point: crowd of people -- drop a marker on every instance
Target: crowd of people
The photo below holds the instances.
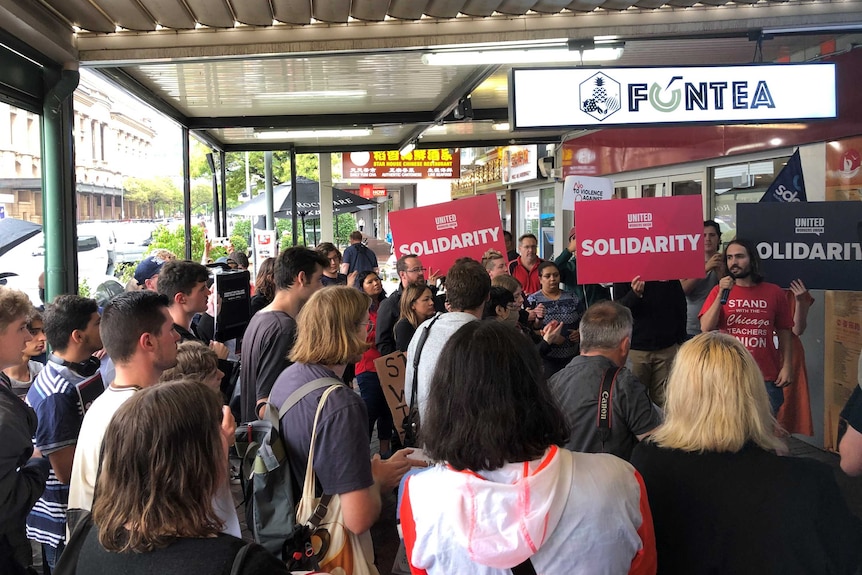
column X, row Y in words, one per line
column 562, row 427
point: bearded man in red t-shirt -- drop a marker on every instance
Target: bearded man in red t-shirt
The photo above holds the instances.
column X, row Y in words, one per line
column 753, row 311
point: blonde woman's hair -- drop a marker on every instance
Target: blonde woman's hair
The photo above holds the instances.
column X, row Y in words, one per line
column 328, row 327
column 506, row 281
column 195, row 360
column 716, row 399
column 489, row 257
column 14, row 305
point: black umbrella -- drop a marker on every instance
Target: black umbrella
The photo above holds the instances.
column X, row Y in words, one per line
column 14, row 232
column 307, row 201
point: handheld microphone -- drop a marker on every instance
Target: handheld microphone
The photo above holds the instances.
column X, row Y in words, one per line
column 725, row 293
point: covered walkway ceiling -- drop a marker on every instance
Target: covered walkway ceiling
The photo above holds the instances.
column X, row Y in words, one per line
column 271, row 74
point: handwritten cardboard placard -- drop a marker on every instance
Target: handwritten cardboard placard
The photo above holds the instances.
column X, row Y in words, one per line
column 390, row 370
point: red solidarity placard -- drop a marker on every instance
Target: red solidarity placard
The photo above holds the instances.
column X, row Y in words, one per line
column 442, row 233
column 655, row 238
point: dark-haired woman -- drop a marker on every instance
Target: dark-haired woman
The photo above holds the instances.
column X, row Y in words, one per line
column 417, row 305
column 366, row 373
column 503, row 492
column 153, row 510
column 501, row 306
column 562, row 306
column 264, row 285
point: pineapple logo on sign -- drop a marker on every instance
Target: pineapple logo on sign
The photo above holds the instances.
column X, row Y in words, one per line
column 600, row 96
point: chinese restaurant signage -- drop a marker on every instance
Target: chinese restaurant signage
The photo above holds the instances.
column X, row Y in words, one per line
column 438, row 164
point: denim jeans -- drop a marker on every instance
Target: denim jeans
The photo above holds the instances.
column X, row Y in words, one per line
column 375, row 402
column 50, row 556
column 776, row 396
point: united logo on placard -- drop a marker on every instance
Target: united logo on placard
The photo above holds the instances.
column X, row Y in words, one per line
column 448, row 222
column 600, row 96
column 640, row 221
column 814, row 226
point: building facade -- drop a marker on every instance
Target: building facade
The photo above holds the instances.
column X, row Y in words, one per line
column 113, row 140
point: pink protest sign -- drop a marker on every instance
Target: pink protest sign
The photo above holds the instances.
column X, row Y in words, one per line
column 655, row 238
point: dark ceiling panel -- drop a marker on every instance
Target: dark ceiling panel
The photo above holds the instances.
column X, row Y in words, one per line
column 212, row 13
column 516, row 6
column 373, row 10
column 292, row 11
column 170, row 14
column 83, row 14
column 650, row 4
column 481, row 7
column 253, row 12
column 585, row 5
column 618, row 4
column 444, row 8
column 128, row 15
column 336, row 11
column 550, row 6
column 407, row 9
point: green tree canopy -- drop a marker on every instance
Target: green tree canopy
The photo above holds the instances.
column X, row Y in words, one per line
column 159, row 193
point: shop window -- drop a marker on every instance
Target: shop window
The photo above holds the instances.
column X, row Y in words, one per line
column 622, row 192
column 548, row 222
column 686, row 188
column 740, row 184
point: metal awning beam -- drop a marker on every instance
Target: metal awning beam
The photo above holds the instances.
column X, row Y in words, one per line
column 478, row 143
column 450, row 102
column 337, row 120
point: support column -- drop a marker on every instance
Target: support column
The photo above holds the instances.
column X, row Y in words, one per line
column 187, row 193
column 293, row 209
column 270, row 195
column 327, row 209
column 216, row 215
column 223, row 171
column 58, row 183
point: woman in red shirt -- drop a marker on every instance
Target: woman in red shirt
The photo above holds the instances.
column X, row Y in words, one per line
column 366, row 374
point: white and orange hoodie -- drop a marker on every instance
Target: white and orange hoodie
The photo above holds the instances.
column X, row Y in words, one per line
column 570, row 513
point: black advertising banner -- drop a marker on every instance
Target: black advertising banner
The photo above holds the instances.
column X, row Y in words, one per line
column 817, row 242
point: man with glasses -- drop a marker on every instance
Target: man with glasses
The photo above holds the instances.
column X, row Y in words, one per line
column 525, row 269
column 410, row 270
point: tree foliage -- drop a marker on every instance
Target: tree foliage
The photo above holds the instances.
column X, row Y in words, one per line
column 202, row 199
column 306, row 165
column 174, row 239
column 159, row 193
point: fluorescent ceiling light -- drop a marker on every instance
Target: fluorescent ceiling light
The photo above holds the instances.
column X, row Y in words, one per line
column 435, row 129
column 310, row 94
column 298, row 134
column 522, row 56
column 501, row 126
